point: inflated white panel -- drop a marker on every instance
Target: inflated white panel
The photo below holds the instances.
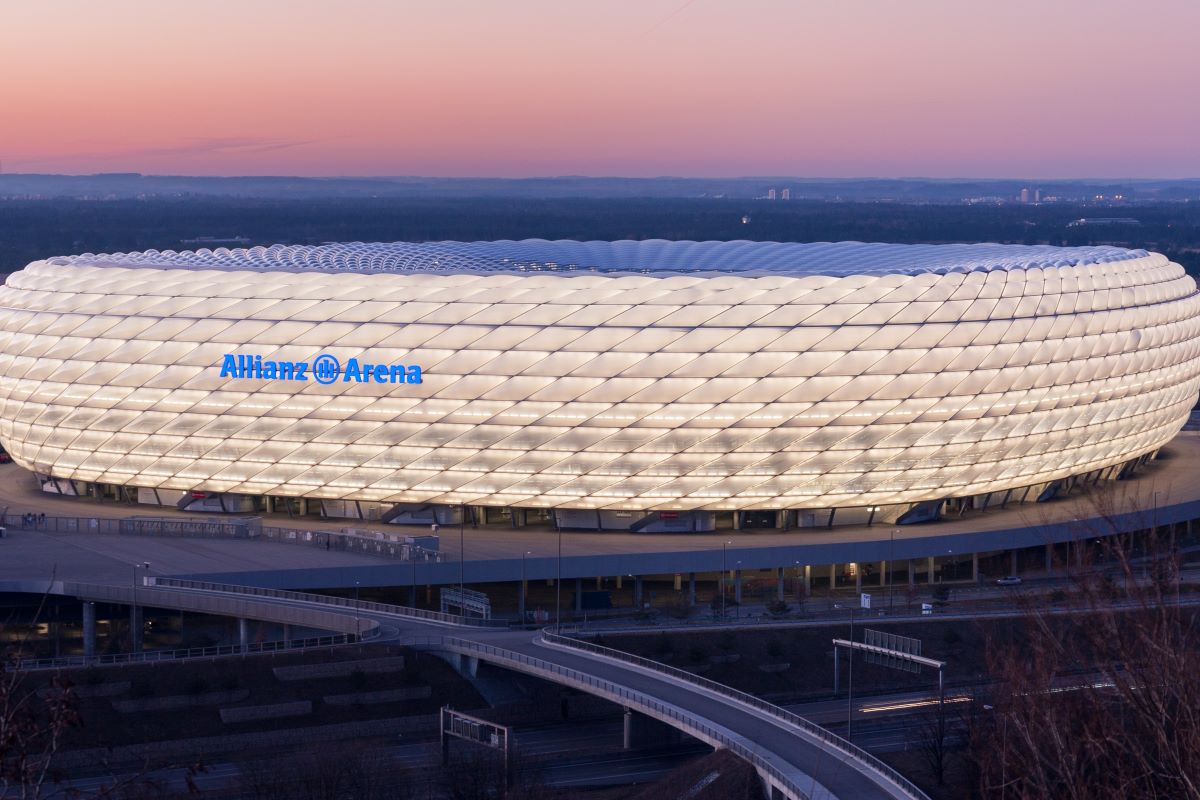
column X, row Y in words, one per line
column 624, row 375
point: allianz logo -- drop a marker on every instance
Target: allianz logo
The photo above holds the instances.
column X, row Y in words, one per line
column 324, row 369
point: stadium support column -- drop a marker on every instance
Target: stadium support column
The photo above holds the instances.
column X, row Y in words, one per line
column 1013, row 562
column 975, row 567
column 912, row 575
column 807, row 580
column 243, row 634
column 858, row 569
column 578, row 595
column 691, row 589
column 832, row 577
column 89, row 630
column 637, row 591
column 779, row 584
column 884, row 566
column 1049, row 559
column 737, row 586
column 930, row 567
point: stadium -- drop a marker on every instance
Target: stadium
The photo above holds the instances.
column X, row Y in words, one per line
column 639, row 385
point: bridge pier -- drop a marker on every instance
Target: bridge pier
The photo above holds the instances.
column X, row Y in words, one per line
column 89, row 630
column 639, row 730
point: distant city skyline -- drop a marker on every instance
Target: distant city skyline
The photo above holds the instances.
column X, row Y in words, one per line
column 929, row 88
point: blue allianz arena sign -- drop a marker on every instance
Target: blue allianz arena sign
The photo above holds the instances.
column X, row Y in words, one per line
column 324, row 369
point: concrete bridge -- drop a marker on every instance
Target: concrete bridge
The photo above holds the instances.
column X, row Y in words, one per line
column 795, row 759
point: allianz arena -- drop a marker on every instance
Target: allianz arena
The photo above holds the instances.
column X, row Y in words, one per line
column 596, row 384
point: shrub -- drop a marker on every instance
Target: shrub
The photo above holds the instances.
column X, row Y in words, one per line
column 778, row 608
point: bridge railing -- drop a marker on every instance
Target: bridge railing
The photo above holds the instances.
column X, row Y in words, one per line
column 720, row 736
column 226, row 528
column 325, row 600
column 214, row 651
column 782, row 714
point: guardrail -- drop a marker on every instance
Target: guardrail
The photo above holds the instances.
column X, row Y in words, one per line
column 215, row 651
column 782, row 714
column 716, row 735
column 325, row 600
column 228, row 528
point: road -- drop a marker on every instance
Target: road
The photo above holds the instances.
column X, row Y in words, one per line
column 564, row 755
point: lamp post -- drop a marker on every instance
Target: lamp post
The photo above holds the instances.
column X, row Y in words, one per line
column 558, row 588
column 356, row 626
column 738, row 589
column 521, row 609
column 462, row 559
column 721, row 583
column 135, row 619
column 891, row 566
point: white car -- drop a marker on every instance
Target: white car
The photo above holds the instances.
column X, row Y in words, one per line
column 1008, row 580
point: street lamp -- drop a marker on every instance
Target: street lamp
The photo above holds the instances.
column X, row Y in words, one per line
column 721, row 583
column 357, row 630
column 558, row 588
column 737, row 588
column 521, row 610
column 891, row 566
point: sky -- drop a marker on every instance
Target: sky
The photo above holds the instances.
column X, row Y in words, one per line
column 516, row 88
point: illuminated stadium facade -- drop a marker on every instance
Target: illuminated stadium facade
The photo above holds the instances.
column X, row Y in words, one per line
column 597, row 384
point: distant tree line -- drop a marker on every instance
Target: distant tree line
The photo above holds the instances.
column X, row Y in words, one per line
column 33, row 229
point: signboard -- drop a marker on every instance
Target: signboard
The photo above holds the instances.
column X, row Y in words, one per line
column 865, row 600
column 926, row 609
column 897, row 644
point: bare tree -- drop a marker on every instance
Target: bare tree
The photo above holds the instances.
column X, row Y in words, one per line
column 33, row 727
column 1101, row 702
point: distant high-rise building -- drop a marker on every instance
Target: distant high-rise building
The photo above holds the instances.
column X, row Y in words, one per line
column 1037, row 195
column 1025, row 195
column 786, row 194
column 770, row 194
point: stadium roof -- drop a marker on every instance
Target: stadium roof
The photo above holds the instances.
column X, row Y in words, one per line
column 652, row 256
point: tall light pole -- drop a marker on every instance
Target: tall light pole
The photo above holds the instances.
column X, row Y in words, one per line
column 850, row 682
column 462, row 559
column 357, row 634
column 558, row 588
column 891, row 566
column 721, row 583
column 738, row 587
column 521, row 609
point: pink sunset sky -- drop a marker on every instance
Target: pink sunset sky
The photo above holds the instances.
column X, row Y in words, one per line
column 1019, row 88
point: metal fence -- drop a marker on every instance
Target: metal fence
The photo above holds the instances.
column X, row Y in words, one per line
column 216, row 651
column 848, row 748
column 325, row 600
column 239, row 528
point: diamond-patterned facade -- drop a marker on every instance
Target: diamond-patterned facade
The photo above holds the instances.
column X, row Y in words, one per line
column 629, row 375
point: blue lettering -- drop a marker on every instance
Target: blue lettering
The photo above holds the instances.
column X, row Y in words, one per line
column 352, row 370
column 414, row 374
column 301, row 370
column 229, row 367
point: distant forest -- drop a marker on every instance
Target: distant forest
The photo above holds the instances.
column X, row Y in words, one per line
column 33, row 229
